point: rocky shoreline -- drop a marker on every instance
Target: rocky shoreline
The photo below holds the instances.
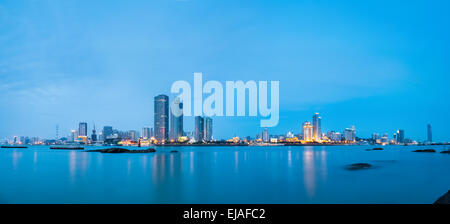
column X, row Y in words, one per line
column 425, row 150
column 444, row 199
column 122, row 150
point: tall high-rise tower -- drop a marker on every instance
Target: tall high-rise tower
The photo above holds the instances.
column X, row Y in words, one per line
column 317, row 132
column 401, row 136
column 199, row 129
column 107, row 132
column 146, row 133
column 265, row 135
column 82, row 129
column 94, row 135
column 176, row 119
column 307, row 131
column 161, row 118
column 208, row 129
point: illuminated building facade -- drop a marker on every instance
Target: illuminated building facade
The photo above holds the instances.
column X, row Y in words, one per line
column 176, row 120
column 317, row 132
column 94, row 135
column 82, row 129
column 401, row 136
column 199, row 129
column 307, row 131
column 161, row 118
column 350, row 134
column 265, row 135
column 208, row 129
column 107, row 132
column 132, row 135
column 146, row 133
column 73, row 135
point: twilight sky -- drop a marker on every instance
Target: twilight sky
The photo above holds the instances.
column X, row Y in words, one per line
column 378, row 65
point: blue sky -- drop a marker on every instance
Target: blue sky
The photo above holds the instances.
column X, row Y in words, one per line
column 378, row 65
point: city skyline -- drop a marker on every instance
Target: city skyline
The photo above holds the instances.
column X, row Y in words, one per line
column 311, row 132
column 379, row 68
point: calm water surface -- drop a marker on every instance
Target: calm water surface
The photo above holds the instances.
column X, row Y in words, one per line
column 224, row 175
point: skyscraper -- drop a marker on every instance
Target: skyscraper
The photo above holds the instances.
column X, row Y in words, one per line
column 307, row 132
column 176, row 119
column 208, row 129
column 146, row 133
column 429, row 134
column 317, row 132
column 350, row 134
column 73, row 135
column 161, row 118
column 401, row 136
column 265, row 135
column 107, row 132
column 132, row 135
column 199, row 129
column 94, row 135
column 82, row 129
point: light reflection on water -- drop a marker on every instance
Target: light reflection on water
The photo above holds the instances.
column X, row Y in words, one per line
column 223, row 175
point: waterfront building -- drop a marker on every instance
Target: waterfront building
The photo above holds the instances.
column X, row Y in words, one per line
column 375, row 136
column 132, row 135
column 208, row 129
column 307, row 131
column 161, row 118
column 289, row 135
column 107, row 132
column 350, row 134
column 273, row 140
column 176, row 120
column 146, row 133
column 337, row 137
column 258, row 137
column 94, row 135
column 384, row 139
column 199, row 129
column 265, row 135
column 401, row 136
column 82, row 129
column 73, row 135
column 317, row 132
column 429, row 134
column 334, row 136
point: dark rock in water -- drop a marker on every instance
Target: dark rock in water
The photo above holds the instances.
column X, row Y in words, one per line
column 448, row 151
column 174, row 151
column 13, row 147
column 425, row 150
column 374, row 149
column 444, row 199
column 358, row 166
column 121, row 150
column 67, row 148
column 115, row 150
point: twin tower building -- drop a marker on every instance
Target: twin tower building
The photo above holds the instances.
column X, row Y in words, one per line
column 203, row 125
